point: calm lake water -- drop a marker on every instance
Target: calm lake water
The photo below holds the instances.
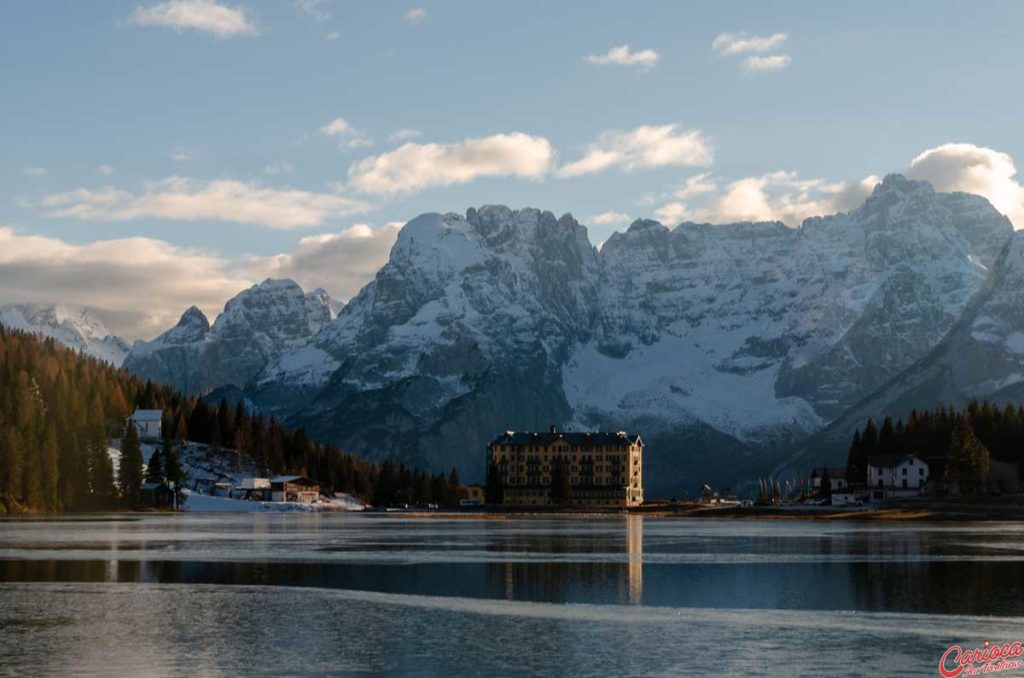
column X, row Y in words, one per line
column 379, row 595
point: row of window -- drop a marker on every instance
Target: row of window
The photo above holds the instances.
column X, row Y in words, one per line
column 562, row 448
column 544, row 480
column 622, row 459
column 881, row 471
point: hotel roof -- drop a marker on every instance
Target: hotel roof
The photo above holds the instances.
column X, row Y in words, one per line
column 576, row 438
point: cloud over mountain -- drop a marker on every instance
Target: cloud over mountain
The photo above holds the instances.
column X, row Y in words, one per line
column 414, row 167
column 178, row 198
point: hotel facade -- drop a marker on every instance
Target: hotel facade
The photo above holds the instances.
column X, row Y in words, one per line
column 603, row 469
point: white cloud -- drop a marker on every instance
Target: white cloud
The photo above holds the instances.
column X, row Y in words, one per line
column 219, row 200
column 201, row 15
column 341, row 263
column 359, row 142
column 36, row 171
column 415, row 16
column 784, row 196
column 404, row 134
column 611, row 218
column 105, row 170
column 775, row 196
column 766, row 64
column 314, row 9
column 672, row 213
column 333, row 35
column 338, row 127
column 142, row 285
column 413, row 167
column 642, row 147
column 184, row 155
column 973, row 169
column 622, row 56
column 695, row 185
column 739, row 43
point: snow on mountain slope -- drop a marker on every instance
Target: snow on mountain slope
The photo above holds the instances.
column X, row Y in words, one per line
column 75, row 327
column 767, row 332
column 256, row 326
column 711, row 340
column 981, row 357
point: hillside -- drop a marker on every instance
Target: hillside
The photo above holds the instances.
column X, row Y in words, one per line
column 60, row 409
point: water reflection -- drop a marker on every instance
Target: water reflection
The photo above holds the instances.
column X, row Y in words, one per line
column 627, row 560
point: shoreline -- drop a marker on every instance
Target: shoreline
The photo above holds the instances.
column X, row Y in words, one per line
column 908, row 510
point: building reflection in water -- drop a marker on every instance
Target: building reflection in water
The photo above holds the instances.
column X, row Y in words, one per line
column 635, row 551
column 603, row 566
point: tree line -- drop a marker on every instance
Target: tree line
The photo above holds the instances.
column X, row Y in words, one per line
column 59, row 409
column 959, row 445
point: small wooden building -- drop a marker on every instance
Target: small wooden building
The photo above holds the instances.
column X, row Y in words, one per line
column 294, row 488
column 157, row 495
column 253, row 489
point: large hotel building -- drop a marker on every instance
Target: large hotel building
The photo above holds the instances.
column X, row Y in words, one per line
column 604, row 469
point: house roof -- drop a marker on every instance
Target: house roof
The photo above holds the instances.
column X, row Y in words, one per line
column 833, row 471
column 292, row 479
column 147, row 415
column 577, row 438
column 150, row 486
column 890, row 460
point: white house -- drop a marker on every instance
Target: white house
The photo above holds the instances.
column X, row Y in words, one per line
column 896, row 475
column 836, row 477
column 148, row 423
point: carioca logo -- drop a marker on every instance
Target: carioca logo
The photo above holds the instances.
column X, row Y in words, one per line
column 957, row 661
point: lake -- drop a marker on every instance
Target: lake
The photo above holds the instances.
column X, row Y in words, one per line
column 350, row 594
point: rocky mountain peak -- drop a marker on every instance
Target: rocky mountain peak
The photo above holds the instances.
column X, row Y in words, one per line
column 74, row 326
column 193, row 317
column 257, row 325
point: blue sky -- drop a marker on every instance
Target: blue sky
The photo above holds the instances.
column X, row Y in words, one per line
column 195, row 132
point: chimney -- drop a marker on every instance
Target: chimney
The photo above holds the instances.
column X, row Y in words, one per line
column 552, row 429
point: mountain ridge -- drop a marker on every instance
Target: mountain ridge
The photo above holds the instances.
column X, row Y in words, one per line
column 256, row 325
column 76, row 327
column 722, row 336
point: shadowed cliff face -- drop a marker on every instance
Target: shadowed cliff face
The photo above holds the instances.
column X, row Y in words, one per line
column 256, row 326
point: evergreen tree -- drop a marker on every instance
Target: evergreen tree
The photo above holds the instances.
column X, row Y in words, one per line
column 968, row 460
column 856, row 462
column 154, row 469
column 130, row 468
column 174, row 474
column 49, row 455
column 454, row 492
column 869, row 439
column 101, row 474
column 888, row 443
column 826, row 484
column 14, row 456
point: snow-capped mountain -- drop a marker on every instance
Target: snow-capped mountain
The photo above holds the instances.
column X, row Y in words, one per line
column 75, row 327
column 981, row 357
column 715, row 342
column 255, row 327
